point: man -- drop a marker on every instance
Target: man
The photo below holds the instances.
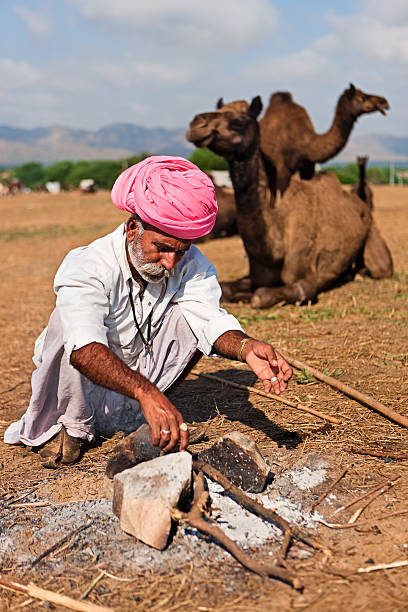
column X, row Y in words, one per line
column 133, row 309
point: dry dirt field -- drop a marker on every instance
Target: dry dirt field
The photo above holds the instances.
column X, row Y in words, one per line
column 356, row 332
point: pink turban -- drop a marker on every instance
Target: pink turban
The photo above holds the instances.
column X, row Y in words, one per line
column 170, row 193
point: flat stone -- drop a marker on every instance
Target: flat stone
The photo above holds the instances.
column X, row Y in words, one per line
column 239, row 459
column 145, row 495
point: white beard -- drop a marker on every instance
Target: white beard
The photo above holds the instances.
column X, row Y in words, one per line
column 150, row 272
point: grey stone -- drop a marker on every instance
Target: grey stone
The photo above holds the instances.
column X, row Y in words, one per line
column 239, row 459
column 145, row 495
column 132, row 450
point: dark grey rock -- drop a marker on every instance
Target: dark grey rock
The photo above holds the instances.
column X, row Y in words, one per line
column 239, row 459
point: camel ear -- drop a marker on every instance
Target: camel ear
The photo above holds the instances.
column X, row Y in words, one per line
column 256, row 107
column 351, row 90
column 220, row 103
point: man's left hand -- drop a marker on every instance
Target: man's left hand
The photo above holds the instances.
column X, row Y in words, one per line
column 269, row 366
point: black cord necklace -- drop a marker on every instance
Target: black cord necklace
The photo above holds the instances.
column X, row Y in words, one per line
column 147, row 343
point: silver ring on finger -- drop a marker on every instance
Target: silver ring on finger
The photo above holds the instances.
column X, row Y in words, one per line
column 274, row 379
column 165, row 432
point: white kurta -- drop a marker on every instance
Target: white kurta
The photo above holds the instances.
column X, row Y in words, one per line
column 93, row 305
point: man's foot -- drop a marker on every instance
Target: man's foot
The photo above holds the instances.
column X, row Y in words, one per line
column 137, row 447
column 62, row 450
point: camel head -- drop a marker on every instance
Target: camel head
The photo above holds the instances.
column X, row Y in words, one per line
column 359, row 103
column 230, row 130
column 362, row 160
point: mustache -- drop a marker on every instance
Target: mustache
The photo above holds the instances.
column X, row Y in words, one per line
column 151, row 272
column 155, row 270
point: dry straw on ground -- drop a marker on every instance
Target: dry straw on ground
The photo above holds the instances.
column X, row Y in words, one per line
column 356, row 333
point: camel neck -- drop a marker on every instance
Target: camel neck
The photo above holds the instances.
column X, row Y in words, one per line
column 256, row 218
column 325, row 146
column 362, row 181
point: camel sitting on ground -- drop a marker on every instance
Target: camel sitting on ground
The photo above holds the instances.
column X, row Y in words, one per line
column 362, row 189
column 226, row 221
column 377, row 256
column 303, row 244
column 290, row 143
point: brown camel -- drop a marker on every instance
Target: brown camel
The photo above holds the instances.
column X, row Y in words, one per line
column 226, row 221
column 303, row 244
column 290, row 143
column 376, row 256
column 362, row 189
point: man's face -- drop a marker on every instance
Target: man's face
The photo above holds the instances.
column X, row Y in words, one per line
column 153, row 253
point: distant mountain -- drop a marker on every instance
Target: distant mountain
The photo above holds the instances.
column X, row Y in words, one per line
column 378, row 147
column 50, row 144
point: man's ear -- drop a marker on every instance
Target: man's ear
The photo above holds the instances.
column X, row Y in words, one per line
column 132, row 229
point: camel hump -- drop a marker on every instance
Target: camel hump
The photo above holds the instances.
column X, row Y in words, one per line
column 281, row 96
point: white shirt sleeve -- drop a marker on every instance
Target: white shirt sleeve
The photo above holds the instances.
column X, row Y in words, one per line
column 82, row 285
column 199, row 300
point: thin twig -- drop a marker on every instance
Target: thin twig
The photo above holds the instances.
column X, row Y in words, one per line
column 373, row 490
column 195, row 519
column 357, row 525
column 92, row 585
column 382, row 454
column 347, row 390
column 360, row 510
column 277, row 398
column 115, row 577
column 14, row 387
column 33, row 505
column 13, row 501
column 60, row 542
column 61, row 600
column 381, row 566
column 325, row 494
column 256, row 508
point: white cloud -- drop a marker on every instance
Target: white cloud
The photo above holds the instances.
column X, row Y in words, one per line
column 17, row 75
column 36, row 23
column 209, row 25
column 131, row 72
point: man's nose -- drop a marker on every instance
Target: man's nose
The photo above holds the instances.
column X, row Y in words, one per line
column 169, row 260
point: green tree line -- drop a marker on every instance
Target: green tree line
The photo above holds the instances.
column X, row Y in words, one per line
column 105, row 172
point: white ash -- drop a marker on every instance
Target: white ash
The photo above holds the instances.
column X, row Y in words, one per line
column 306, row 478
column 105, row 543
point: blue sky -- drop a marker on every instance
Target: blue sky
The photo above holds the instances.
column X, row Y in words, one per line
column 90, row 63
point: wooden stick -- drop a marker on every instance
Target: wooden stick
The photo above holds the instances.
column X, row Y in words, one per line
column 357, row 395
column 60, row 542
column 277, row 398
column 373, row 490
column 325, row 494
column 382, row 454
column 256, row 508
column 61, row 600
column 195, row 519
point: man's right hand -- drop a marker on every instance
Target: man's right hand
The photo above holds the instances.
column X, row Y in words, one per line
column 163, row 417
column 98, row 363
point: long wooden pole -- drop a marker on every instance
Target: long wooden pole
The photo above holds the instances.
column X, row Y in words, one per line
column 357, row 395
column 277, row 398
column 32, row 590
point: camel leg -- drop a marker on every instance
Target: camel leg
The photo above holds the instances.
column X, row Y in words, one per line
column 376, row 255
column 240, row 289
column 301, row 291
column 307, row 171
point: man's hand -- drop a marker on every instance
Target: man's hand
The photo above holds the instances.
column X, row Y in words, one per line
column 103, row 367
column 268, row 365
column 163, row 417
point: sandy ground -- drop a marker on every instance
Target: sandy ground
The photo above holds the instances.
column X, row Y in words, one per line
column 357, row 333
